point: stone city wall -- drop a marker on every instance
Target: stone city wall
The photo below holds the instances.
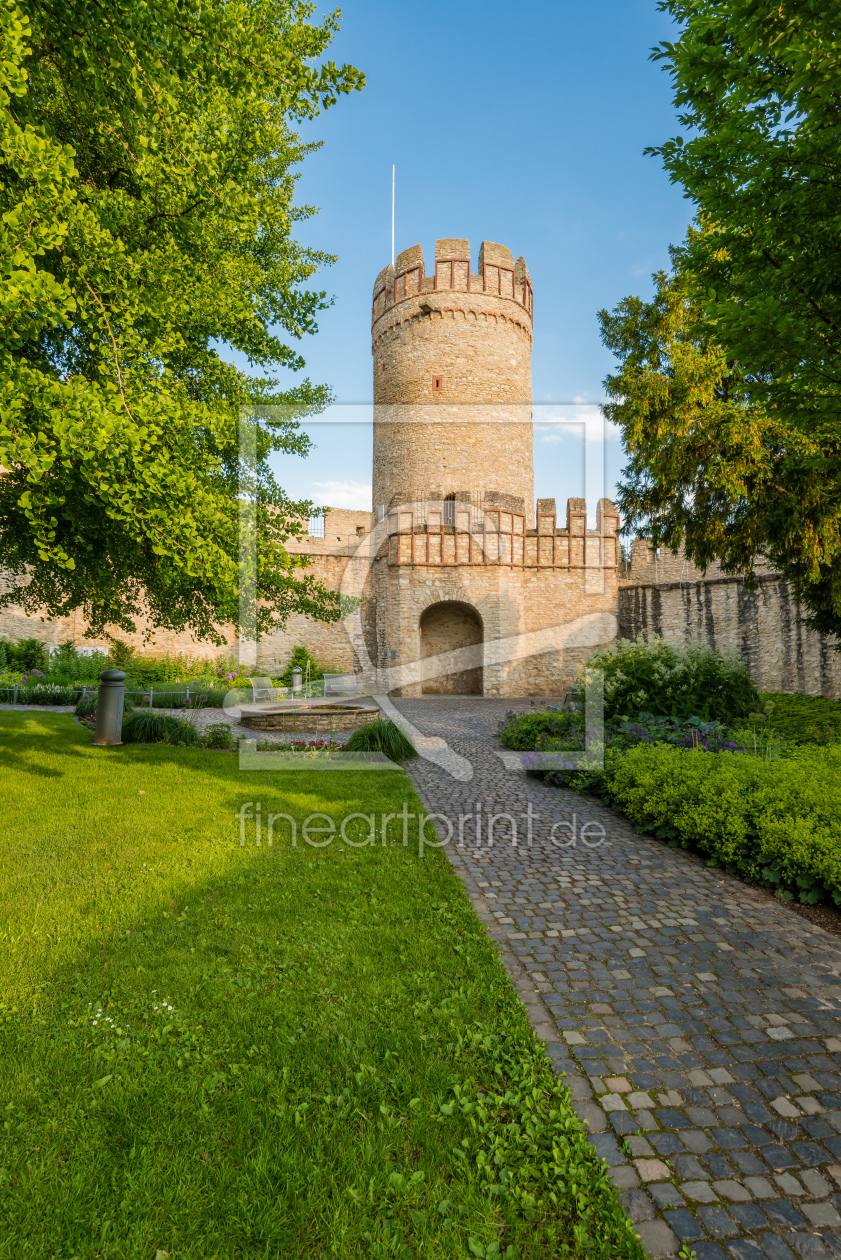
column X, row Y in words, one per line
column 543, row 607
column 327, row 642
column 657, row 564
column 762, row 626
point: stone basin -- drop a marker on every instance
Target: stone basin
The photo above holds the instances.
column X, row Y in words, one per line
column 309, row 716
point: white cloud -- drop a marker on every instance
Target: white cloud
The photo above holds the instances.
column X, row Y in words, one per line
column 577, row 419
column 355, row 495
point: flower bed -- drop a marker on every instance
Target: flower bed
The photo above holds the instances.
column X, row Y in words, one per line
column 551, row 731
column 764, row 808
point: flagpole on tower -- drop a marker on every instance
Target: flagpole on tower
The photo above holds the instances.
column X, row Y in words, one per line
column 392, row 216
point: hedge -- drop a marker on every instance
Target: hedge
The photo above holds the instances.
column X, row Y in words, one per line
column 775, row 822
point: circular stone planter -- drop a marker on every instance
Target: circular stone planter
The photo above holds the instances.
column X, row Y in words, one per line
column 318, row 719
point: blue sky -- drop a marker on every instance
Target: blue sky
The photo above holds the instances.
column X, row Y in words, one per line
column 524, row 125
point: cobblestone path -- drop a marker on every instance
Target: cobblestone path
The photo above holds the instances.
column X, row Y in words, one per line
column 698, row 1021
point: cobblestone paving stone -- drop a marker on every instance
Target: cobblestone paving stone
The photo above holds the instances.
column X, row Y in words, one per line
column 697, row 1021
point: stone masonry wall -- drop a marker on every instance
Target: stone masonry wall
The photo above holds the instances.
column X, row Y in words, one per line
column 538, row 624
column 327, row 642
column 650, row 564
column 761, row 626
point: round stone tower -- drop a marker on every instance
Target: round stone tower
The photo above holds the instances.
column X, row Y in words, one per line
column 452, row 381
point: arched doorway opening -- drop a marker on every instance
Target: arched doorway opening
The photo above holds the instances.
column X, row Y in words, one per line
column 451, row 638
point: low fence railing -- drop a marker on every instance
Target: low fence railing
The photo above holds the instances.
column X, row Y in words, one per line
column 154, row 698
column 187, row 697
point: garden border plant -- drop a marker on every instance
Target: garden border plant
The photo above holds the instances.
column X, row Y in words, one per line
column 650, row 675
column 756, row 790
column 771, row 821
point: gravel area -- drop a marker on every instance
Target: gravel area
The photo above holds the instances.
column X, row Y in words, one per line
column 697, row 1020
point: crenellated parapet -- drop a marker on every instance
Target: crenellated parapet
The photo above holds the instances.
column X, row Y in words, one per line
column 464, row 532
column 497, row 275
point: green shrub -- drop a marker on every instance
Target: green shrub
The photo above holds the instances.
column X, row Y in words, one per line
column 147, row 726
column 217, row 735
column 216, row 697
column 526, row 731
column 667, row 681
column 166, row 699
column 47, row 693
column 86, row 705
column 155, row 667
column 548, row 731
column 171, row 695
column 300, row 656
column 382, row 735
column 774, row 822
column 26, row 654
column 68, row 662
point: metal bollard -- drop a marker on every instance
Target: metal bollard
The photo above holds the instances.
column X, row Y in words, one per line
column 297, row 683
column 109, row 708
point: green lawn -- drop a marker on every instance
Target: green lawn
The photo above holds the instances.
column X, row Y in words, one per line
column 216, row 1050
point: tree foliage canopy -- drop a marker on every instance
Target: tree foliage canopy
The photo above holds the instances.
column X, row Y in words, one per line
column 147, row 218
column 729, row 385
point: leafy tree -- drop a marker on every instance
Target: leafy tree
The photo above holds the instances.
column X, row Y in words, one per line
column 756, row 82
column 704, row 462
column 146, row 219
column 729, row 384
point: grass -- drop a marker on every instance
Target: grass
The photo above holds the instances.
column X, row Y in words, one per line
column 149, row 726
column 220, row 1050
column 385, row 736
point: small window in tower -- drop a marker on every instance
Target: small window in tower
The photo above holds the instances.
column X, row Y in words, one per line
column 450, row 509
column 437, row 384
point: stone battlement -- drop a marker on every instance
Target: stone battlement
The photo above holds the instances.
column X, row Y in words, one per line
column 462, row 534
column 498, row 275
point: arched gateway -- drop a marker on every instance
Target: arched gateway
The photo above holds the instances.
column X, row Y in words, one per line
column 451, row 637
